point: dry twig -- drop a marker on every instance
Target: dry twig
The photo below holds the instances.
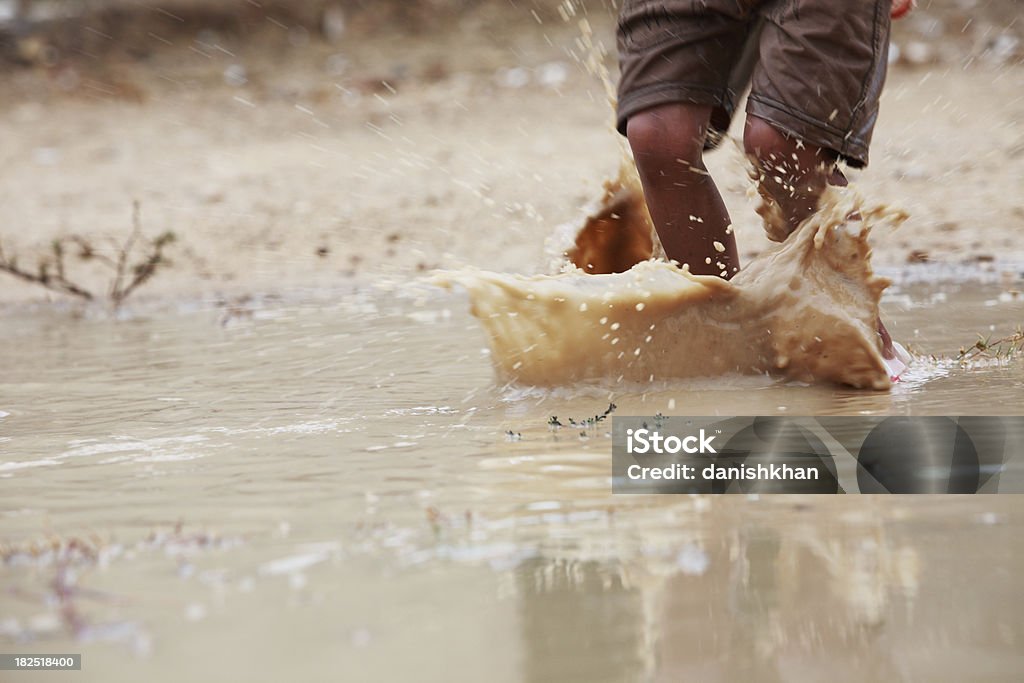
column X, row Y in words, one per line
column 1002, row 348
column 51, row 270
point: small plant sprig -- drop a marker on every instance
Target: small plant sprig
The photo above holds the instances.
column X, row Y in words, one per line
column 143, row 270
column 51, row 270
column 1000, row 349
column 659, row 421
column 555, row 423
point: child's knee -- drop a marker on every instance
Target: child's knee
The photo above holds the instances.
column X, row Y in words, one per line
column 786, row 155
column 765, row 143
column 668, row 136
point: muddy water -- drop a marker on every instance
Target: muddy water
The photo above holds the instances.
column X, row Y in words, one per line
column 806, row 310
column 327, row 491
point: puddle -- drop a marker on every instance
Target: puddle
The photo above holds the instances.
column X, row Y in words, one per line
column 335, row 485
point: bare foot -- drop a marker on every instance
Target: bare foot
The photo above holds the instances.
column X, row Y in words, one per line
column 895, row 357
column 887, row 350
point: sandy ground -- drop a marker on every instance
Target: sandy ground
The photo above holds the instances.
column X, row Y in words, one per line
column 283, row 161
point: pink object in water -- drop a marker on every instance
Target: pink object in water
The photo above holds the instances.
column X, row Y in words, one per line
column 900, row 8
column 899, row 363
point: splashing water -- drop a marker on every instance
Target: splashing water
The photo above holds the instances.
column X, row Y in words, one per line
column 805, row 310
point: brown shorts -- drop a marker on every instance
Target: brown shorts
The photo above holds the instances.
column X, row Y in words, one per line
column 815, row 67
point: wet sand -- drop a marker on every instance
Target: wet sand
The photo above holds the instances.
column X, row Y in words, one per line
column 312, row 172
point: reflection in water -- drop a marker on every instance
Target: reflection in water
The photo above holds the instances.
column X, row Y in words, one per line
column 580, row 620
column 811, row 600
column 374, row 513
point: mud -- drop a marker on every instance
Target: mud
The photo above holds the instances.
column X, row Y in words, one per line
column 805, row 310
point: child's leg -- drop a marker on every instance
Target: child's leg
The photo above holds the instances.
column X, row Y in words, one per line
column 791, row 177
column 687, row 210
column 683, row 66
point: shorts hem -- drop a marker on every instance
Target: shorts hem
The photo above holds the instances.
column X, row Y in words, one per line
column 667, row 93
column 851, row 150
